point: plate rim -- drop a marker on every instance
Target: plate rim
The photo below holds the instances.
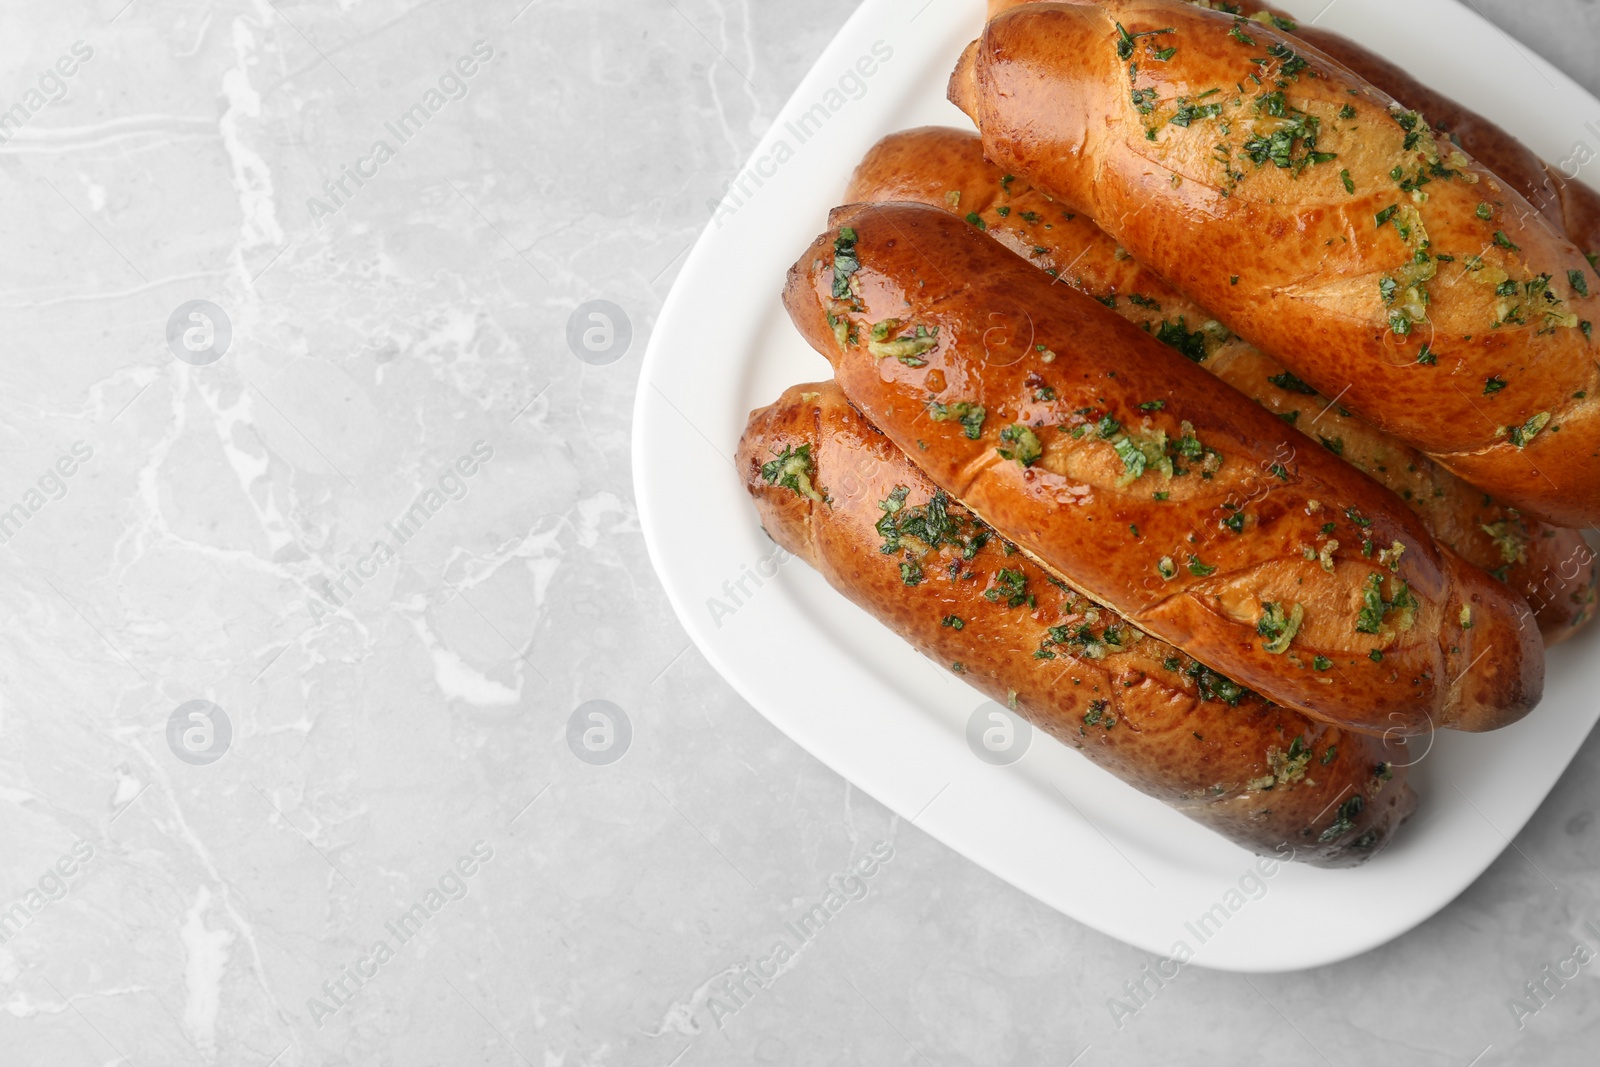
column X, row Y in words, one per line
column 842, row 45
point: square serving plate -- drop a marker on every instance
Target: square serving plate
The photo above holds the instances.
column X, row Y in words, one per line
column 893, row 723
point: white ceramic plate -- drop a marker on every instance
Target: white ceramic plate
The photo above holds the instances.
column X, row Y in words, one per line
column 893, row 723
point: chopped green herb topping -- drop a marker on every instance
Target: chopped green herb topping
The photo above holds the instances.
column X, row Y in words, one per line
column 1214, row 686
column 908, row 349
column 1125, row 40
column 969, row 415
column 1010, row 586
column 1024, row 445
column 1284, row 768
column 1293, row 63
column 1134, row 459
column 1099, row 714
column 1510, row 538
column 1279, row 627
column 1176, row 335
column 793, row 469
column 1376, row 610
column 1522, row 435
column 845, row 262
column 930, row 523
column 1349, row 811
column 1290, row 384
column 1409, row 121
column 1278, row 147
column 1188, row 112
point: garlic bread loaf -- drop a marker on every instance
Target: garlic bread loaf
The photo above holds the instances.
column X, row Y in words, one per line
column 1154, row 488
column 836, row 493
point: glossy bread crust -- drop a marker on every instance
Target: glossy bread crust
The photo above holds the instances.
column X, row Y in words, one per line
column 1356, row 235
column 1553, row 568
column 1263, row 776
column 1570, row 205
column 1153, row 487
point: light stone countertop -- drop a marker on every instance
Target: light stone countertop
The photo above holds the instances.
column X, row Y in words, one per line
column 389, row 532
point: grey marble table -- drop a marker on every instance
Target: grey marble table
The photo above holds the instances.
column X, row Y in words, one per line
column 304, row 585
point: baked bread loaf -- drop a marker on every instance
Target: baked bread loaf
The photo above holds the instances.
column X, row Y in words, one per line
column 1570, row 205
column 1321, row 220
column 1152, row 487
column 1551, row 567
column 836, row 493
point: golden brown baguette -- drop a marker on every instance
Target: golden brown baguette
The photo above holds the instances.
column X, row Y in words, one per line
column 923, row 565
column 1377, row 262
column 1570, row 205
column 1153, row 487
column 1552, row 568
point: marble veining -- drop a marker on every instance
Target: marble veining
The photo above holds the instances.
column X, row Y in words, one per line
column 342, row 719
